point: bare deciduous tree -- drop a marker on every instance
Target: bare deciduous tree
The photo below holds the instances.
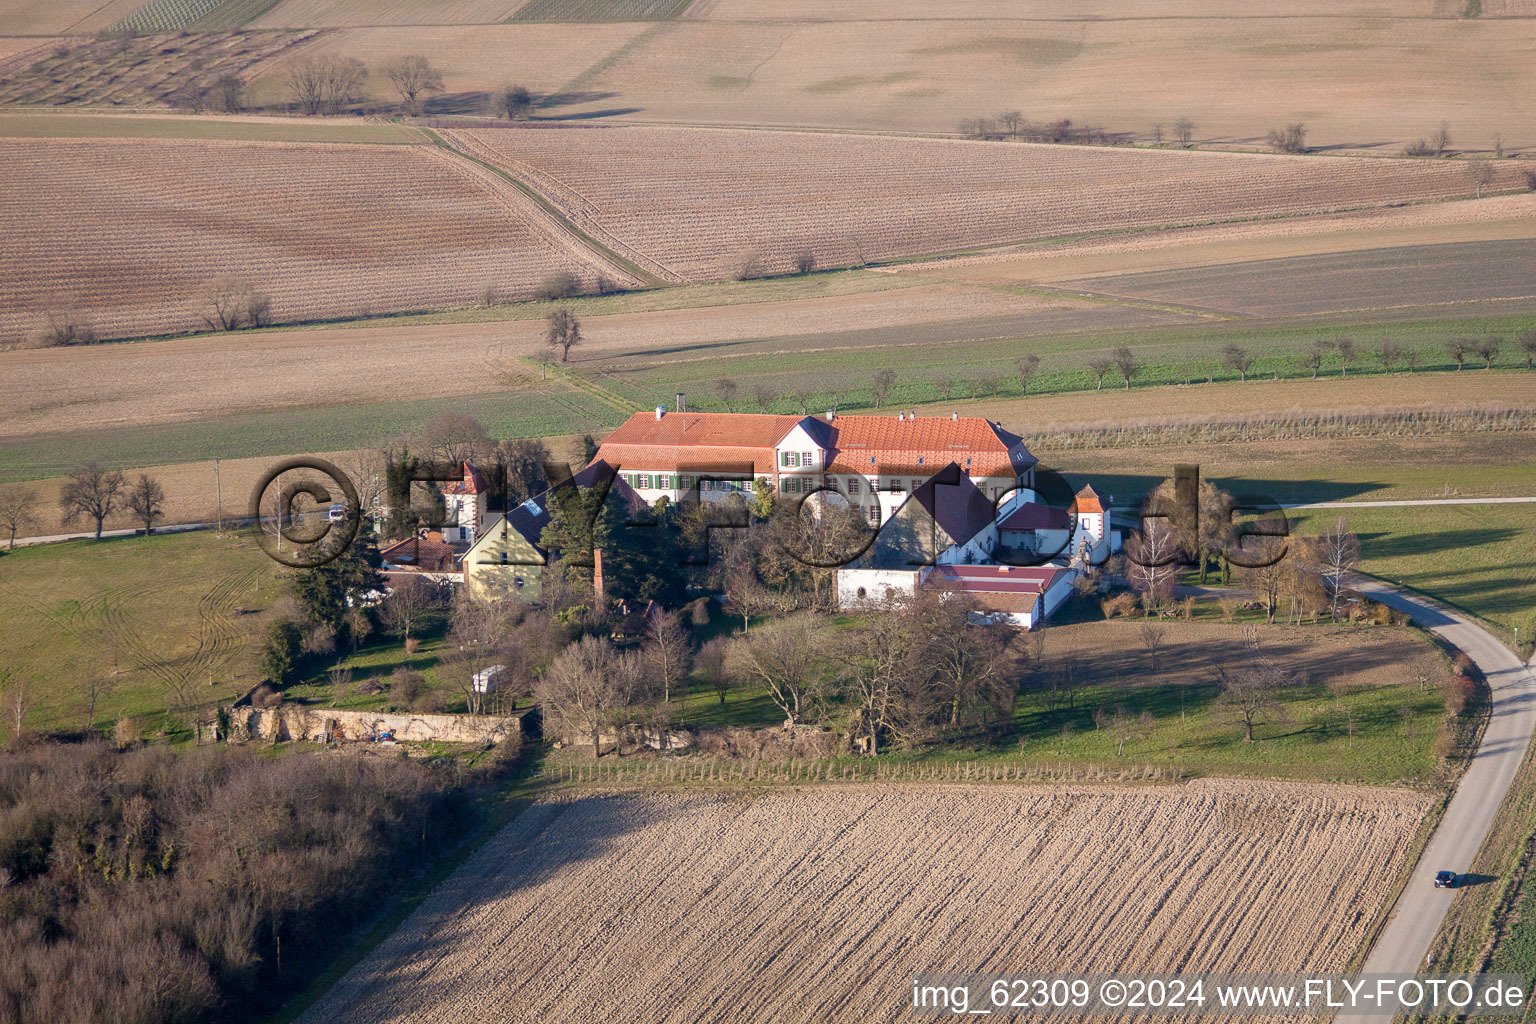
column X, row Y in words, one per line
column 1313, row 355
column 1152, row 562
column 90, row 691
column 1184, row 131
column 65, row 327
column 18, row 509
column 562, row 332
column 725, row 387
column 513, row 102
column 1441, row 140
column 1487, row 349
column 92, row 492
column 325, row 85
column 884, row 380
column 1235, row 357
column 1100, row 365
column 1346, row 350
column 16, row 695
column 455, row 438
column 1479, row 175
column 1527, row 341
column 409, row 604
column 784, row 657
column 228, row 93
column 1457, row 348
column 664, row 651
column 413, row 76
column 588, row 688
column 146, row 500
column 1250, row 693
column 1125, row 361
column 232, row 303
column 710, row 663
column 1153, row 635
column 1338, row 554
column 1290, row 139
column 1389, row 352
column 875, row 658
column 1028, row 368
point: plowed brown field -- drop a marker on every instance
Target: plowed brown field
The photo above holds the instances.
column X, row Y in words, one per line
column 137, row 230
column 820, row 904
column 694, row 200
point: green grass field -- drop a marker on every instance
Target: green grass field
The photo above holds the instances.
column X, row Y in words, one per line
column 194, row 15
column 949, row 361
column 1373, row 734
column 168, row 616
column 149, row 617
column 1480, row 558
column 600, row 10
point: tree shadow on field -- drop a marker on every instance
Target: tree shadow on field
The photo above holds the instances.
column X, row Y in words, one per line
column 1130, row 489
column 543, row 846
column 589, row 115
column 1396, row 545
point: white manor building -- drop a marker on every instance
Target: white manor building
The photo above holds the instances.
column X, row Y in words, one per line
column 876, row 462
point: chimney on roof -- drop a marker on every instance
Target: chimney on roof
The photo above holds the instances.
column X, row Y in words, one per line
column 955, row 415
column 680, row 402
column 900, row 416
column 661, row 411
column 831, row 414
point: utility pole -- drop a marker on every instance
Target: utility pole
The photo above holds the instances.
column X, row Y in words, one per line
column 218, row 490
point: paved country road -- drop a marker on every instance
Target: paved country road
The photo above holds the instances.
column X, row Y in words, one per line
column 1403, row 944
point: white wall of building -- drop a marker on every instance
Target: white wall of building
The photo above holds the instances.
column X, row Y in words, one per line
column 869, row 586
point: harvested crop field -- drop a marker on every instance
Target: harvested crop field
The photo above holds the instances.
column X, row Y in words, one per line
column 324, row 230
column 820, row 903
column 696, row 202
column 1406, row 276
column 188, row 378
column 44, row 17
column 1494, row 219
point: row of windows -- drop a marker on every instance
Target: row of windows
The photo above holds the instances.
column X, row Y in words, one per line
column 796, row 460
column 681, row 482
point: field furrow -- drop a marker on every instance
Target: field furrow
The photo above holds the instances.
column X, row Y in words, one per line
column 132, row 240
column 709, row 203
column 820, row 904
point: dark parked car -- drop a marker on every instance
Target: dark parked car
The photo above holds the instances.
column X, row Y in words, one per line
column 1445, row 879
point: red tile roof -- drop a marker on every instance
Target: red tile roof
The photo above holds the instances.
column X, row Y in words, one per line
column 865, row 445
column 1088, row 502
column 992, row 579
column 716, row 460
column 471, row 483
column 423, row 554
column 711, row 429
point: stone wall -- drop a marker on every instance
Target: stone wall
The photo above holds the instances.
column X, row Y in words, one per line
column 322, row 725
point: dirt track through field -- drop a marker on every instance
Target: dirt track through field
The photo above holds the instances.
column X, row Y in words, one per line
column 819, row 904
